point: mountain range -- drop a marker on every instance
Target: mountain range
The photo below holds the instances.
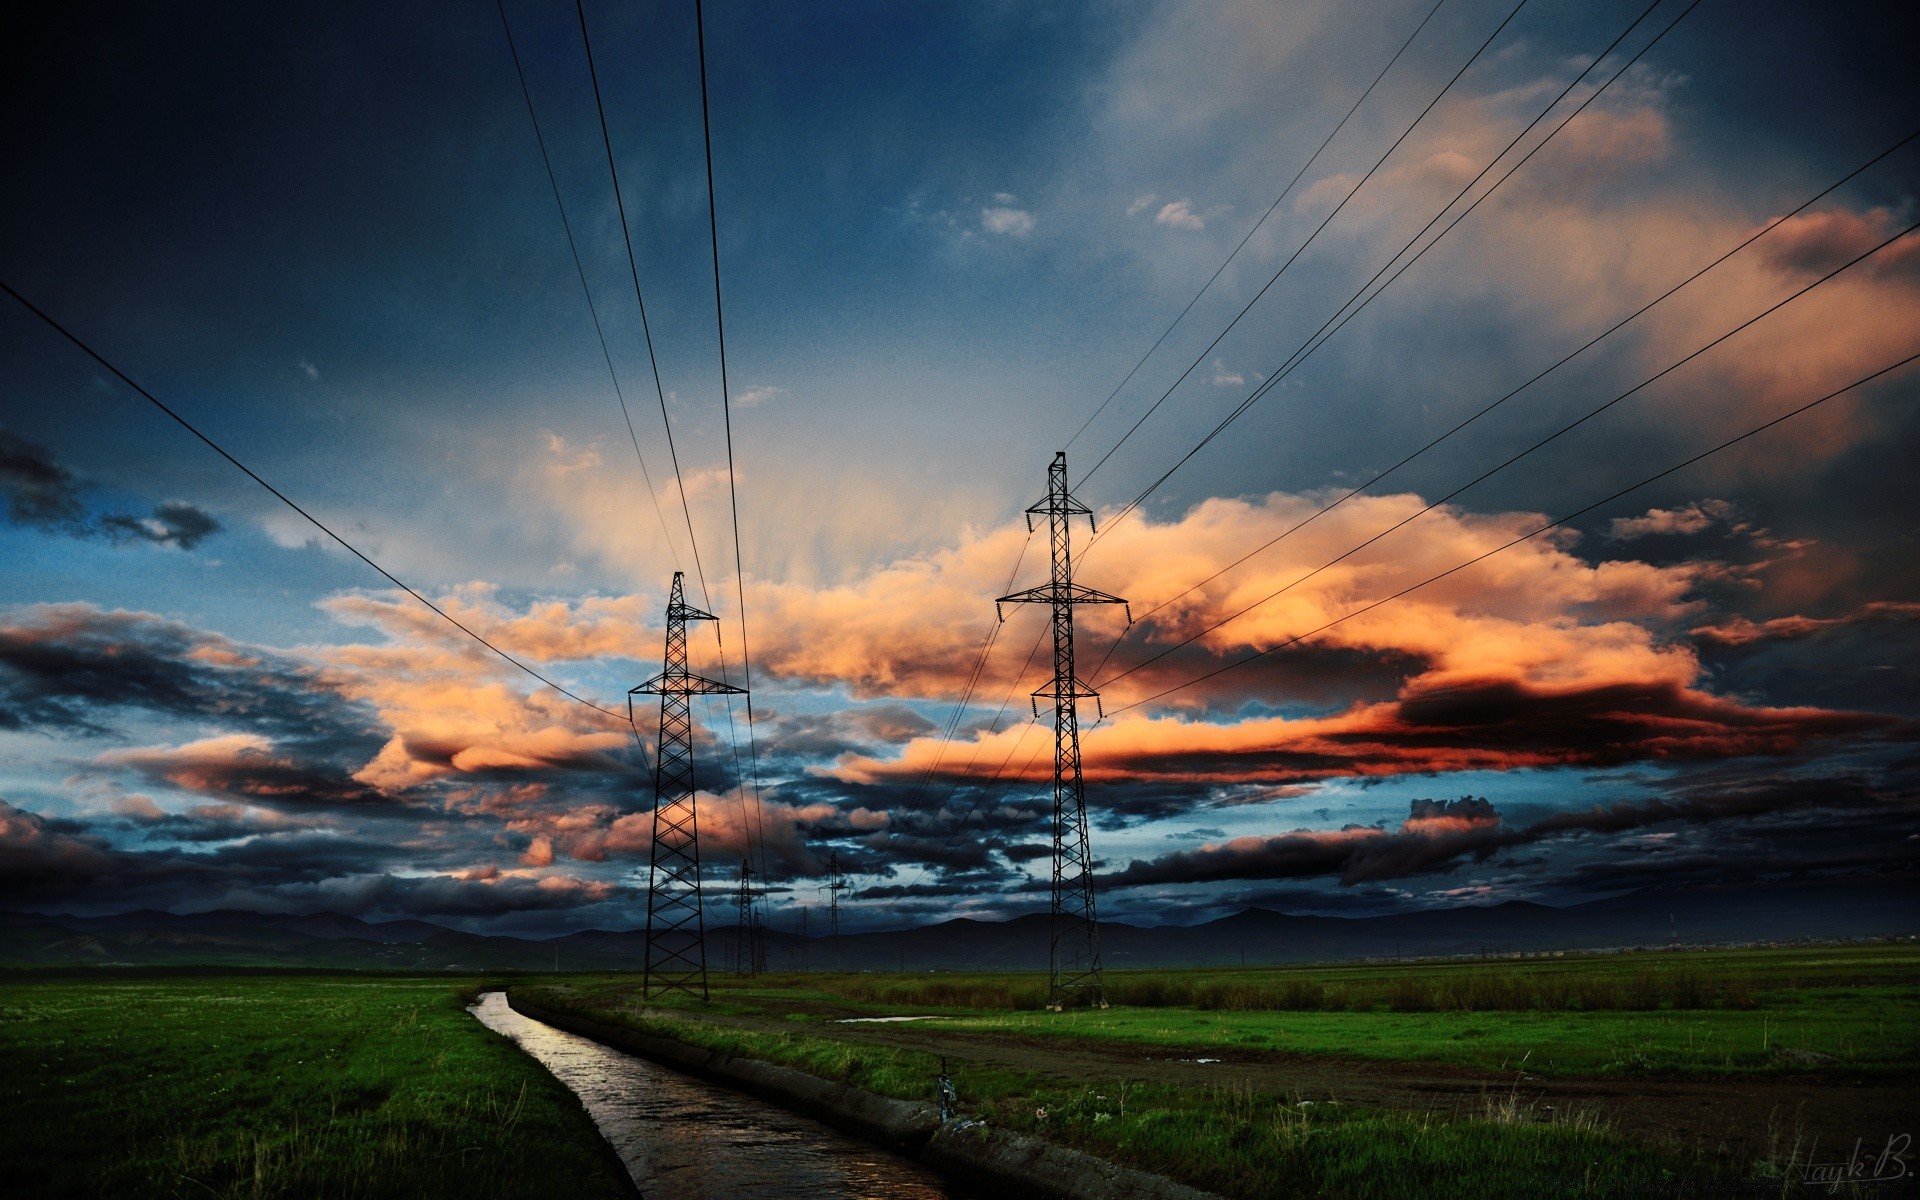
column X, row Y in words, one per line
column 1831, row 909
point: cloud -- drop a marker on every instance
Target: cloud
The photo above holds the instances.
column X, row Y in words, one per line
column 173, row 523
column 1439, row 836
column 68, row 666
column 1743, row 631
column 243, row 766
column 1142, row 204
column 1813, row 243
column 1534, row 658
column 44, row 861
column 42, row 494
column 1225, row 378
column 757, row 395
column 1180, row 215
column 1689, row 519
column 1013, row 222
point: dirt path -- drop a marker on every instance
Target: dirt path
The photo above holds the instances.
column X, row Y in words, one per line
column 1748, row 1117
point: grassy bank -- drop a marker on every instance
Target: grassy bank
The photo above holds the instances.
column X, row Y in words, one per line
column 1238, row 1142
column 253, row 1086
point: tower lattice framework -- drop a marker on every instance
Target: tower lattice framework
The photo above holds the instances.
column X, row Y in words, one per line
column 749, row 945
column 1073, row 959
column 676, row 928
column 836, row 883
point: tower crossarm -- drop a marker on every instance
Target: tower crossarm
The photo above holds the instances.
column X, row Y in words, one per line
column 1059, row 593
column 684, row 684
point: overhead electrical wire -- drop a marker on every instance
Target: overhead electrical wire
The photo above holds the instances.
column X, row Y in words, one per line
column 1536, row 532
column 1289, row 261
column 985, row 790
column 593, row 311
column 1730, row 333
column 1528, row 536
column 660, row 393
column 1348, row 310
column 1255, row 227
column 281, row 496
column 633, row 269
column 973, row 681
column 1324, row 509
column 993, row 634
column 1306, row 348
column 726, row 411
column 1516, row 457
column 1301, row 248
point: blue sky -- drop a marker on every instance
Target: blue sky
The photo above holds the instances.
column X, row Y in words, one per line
column 946, row 233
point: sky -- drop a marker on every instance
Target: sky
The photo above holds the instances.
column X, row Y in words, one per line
column 951, row 237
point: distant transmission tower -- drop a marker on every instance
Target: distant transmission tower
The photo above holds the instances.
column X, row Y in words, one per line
column 749, row 947
column 836, row 883
column 1073, row 962
column 676, row 929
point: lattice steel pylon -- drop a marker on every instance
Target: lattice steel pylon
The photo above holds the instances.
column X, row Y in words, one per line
column 749, row 946
column 836, row 883
column 1073, row 959
column 676, row 928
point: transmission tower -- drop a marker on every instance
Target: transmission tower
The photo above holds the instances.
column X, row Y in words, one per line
column 749, row 947
column 1073, row 961
column 836, row 883
column 676, row 929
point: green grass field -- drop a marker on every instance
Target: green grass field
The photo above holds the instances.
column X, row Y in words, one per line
column 1707, row 1015
column 1672, row 1013
column 258, row 1084
column 262, row 1085
column 1239, row 1142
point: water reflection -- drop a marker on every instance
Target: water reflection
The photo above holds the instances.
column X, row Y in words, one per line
column 683, row 1139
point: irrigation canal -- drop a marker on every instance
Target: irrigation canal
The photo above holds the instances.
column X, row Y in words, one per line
column 685, row 1139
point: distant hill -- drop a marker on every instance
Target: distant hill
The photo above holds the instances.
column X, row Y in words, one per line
column 1861, row 907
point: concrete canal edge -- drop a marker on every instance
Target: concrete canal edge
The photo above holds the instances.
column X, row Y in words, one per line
column 1006, row 1163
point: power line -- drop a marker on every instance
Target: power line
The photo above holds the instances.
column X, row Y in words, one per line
column 593, row 311
column 1304, row 167
column 633, row 269
column 1306, row 348
column 1297, row 176
column 1537, row 377
column 1255, row 228
column 993, row 726
column 993, row 634
column 985, row 790
column 1509, row 461
column 726, row 412
column 1438, row 96
column 1480, row 558
column 1437, row 503
column 1577, row 513
column 973, row 681
column 281, row 496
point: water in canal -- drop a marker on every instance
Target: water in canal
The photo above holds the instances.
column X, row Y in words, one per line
column 684, row 1139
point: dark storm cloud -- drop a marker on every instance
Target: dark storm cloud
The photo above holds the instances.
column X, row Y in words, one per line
column 1442, row 835
column 66, row 666
column 247, row 771
column 45, row 861
column 173, row 523
column 42, row 494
